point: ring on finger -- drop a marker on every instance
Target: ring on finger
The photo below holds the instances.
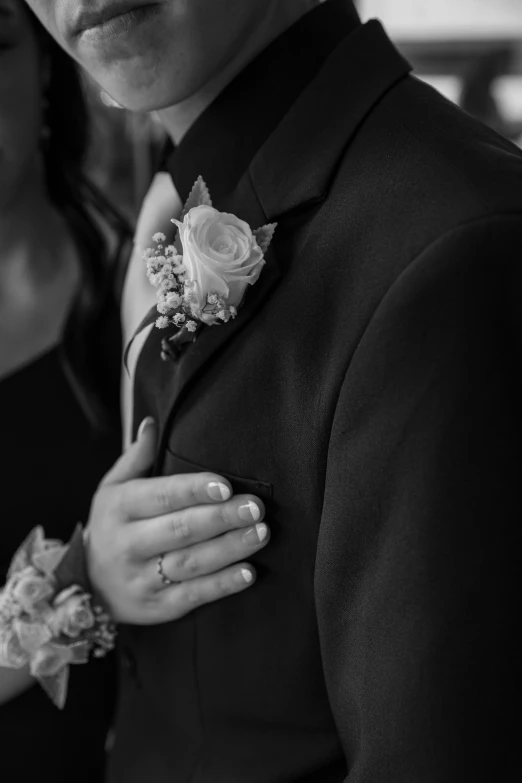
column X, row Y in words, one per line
column 162, row 575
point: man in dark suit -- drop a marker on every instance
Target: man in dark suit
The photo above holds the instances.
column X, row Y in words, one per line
column 368, row 393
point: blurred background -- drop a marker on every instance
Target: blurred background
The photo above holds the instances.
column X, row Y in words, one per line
column 470, row 50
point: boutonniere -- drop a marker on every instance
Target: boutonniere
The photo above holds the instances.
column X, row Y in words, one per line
column 201, row 280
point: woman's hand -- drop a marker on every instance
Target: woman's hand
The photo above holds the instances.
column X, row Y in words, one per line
column 188, row 529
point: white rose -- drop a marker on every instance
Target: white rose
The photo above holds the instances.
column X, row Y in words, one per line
column 12, row 653
column 72, row 616
column 29, row 588
column 220, row 254
column 31, row 635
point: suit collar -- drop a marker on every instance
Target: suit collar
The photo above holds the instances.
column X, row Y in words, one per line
column 298, row 161
column 222, row 142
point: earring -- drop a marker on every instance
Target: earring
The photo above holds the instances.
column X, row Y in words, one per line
column 108, row 101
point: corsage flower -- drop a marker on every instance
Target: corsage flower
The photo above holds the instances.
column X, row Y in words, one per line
column 45, row 623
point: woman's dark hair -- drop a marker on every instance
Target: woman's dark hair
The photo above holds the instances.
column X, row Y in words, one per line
column 90, row 347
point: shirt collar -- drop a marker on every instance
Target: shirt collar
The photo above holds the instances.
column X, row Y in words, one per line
column 226, row 136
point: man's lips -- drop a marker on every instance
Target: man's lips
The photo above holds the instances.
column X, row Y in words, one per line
column 89, row 18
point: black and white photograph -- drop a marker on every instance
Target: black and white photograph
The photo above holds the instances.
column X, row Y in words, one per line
column 260, row 391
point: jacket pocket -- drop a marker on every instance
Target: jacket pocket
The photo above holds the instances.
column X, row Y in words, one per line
column 240, row 485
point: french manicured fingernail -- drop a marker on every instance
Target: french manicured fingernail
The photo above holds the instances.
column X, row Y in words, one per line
column 218, row 491
column 247, row 576
column 145, row 424
column 254, row 535
column 249, row 512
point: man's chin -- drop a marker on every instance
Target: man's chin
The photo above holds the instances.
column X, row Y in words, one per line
column 142, row 100
column 132, row 89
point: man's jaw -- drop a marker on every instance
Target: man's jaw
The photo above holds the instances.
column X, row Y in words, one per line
column 277, row 16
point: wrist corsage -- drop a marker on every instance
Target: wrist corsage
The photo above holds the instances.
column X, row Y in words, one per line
column 47, row 621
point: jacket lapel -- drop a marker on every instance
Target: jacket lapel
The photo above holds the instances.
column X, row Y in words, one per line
column 297, row 163
column 198, row 356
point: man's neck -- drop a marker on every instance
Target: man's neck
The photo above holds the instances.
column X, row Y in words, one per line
column 279, row 16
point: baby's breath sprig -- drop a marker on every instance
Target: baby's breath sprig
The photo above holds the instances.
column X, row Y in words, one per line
column 103, row 635
column 165, row 272
column 177, row 303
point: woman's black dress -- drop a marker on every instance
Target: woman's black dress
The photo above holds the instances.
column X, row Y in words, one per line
column 51, row 463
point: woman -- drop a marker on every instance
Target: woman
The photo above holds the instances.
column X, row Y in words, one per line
column 60, row 243
column 61, row 249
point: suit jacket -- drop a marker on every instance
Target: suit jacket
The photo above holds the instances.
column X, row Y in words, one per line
column 369, row 393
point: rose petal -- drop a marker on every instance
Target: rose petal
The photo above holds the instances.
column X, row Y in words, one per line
column 12, row 654
column 66, row 594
